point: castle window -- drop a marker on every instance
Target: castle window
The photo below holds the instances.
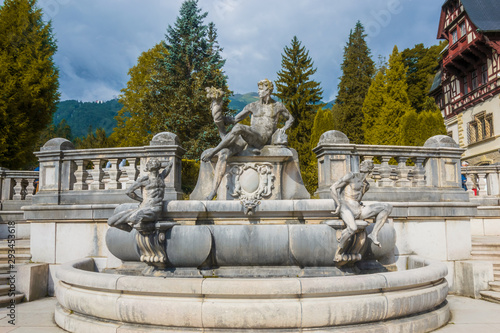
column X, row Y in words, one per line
column 484, row 74
column 466, row 87
column 454, row 36
column 463, row 29
column 474, row 80
column 481, row 127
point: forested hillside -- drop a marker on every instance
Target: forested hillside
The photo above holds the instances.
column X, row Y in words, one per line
column 80, row 115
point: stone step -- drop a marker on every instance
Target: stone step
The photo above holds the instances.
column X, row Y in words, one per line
column 5, row 268
column 6, row 300
column 4, row 278
column 19, row 258
column 486, row 247
column 492, row 296
column 485, row 255
column 4, row 290
column 495, row 286
column 21, row 246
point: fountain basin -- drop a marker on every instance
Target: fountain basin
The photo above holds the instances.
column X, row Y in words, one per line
column 412, row 300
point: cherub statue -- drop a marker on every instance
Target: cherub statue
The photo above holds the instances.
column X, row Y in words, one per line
column 153, row 190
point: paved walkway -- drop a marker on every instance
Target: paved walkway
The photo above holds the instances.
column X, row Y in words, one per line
column 467, row 316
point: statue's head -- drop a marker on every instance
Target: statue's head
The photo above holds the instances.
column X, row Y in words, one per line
column 265, row 86
column 366, row 166
column 153, row 165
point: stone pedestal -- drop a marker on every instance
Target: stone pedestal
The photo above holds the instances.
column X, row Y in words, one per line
column 271, row 173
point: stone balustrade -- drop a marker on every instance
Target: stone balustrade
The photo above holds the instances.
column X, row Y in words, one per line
column 16, row 188
column 95, row 176
column 399, row 170
column 483, row 180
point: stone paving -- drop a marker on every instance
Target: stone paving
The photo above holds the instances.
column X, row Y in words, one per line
column 468, row 315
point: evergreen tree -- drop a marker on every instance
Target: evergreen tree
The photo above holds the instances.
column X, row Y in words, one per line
column 387, row 103
column 421, row 64
column 28, row 80
column 371, row 107
column 97, row 139
column 302, row 97
column 323, row 122
column 357, row 71
column 174, row 97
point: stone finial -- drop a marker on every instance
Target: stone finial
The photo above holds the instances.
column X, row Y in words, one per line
column 333, row 137
column 441, row 141
column 164, row 139
column 57, row 144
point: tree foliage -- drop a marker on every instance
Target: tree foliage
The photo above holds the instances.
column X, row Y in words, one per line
column 323, row 122
column 387, row 102
column 97, row 139
column 357, row 71
column 28, row 80
column 301, row 96
column 167, row 86
column 421, row 64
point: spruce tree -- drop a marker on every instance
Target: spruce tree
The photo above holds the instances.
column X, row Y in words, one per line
column 371, row 107
column 301, row 96
column 174, row 98
column 357, row 71
column 28, row 81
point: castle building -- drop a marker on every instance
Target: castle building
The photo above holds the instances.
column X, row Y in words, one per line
column 467, row 85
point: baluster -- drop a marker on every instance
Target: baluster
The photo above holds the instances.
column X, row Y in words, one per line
column 80, row 175
column 470, row 183
column 419, row 172
column 114, row 174
column 481, row 184
column 385, row 172
column 97, row 175
column 132, row 171
column 18, row 187
column 402, row 172
column 30, row 188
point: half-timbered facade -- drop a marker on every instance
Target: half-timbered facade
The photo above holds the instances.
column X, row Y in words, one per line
column 467, row 86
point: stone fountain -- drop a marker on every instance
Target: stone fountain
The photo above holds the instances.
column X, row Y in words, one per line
column 261, row 257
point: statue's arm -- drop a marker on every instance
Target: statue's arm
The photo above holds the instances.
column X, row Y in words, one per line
column 289, row 118
column 243, row 114
column 336, row 188
column 140, row 182
column 166, row 171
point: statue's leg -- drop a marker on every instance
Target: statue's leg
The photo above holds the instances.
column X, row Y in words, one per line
column 347, row 216
column 220, row 170
column 228, row 141
column 380, row 211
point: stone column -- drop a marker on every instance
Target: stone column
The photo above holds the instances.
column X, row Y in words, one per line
column 481, row 181
column 55, row 173
column 335, row 158
column 443, row 169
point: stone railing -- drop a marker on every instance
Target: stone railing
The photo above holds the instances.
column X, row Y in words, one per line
column 483, row 180
column 433, row 168
column 16, row 188
column 94, row 176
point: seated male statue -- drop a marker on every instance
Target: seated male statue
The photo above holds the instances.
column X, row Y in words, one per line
column 152, row 187
column 265, row 114
column 347, row 193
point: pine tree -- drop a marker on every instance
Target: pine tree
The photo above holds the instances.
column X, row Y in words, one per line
column 174, row 97
column 387, row 103
column 357, row 71
column 28, row 80
column 301, row 96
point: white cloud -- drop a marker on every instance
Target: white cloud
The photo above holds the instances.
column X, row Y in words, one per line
column 100, row 40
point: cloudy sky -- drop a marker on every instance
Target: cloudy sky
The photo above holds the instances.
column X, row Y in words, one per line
column 99, row 40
